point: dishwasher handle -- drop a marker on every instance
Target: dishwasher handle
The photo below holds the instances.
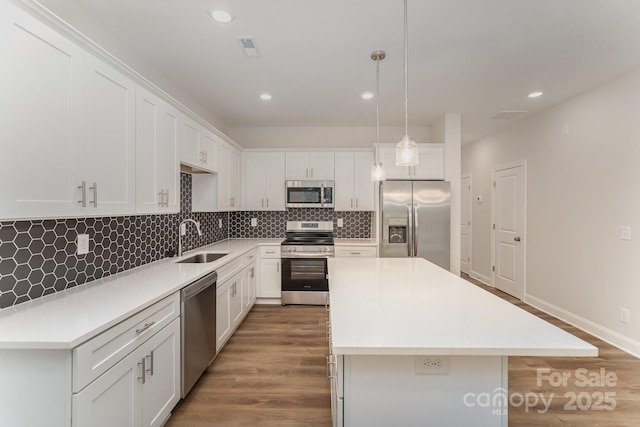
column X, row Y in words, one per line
column 198, row 286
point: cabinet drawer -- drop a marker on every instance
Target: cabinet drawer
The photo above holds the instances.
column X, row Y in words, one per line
column 96, row 356
column 269, row 251
column 228, row 270
column 356, row 251
column 248, row 258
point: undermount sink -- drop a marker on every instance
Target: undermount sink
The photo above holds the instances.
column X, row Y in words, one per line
column 202, row 258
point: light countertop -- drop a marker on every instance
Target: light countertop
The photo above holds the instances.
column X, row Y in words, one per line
column 66, row 319
column 356, row 242
column 404, row 306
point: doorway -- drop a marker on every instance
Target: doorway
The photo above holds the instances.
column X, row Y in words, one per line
column 509, row 226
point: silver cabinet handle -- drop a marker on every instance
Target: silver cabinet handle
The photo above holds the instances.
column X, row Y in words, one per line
column 143, row 370
column 311, row 172
column 161, row 194
column 267, row 202
column 517, row 239
column 94, row 202
column 354, row 253
column 278, row 267
column 356, row 203
column 83, row 187
column 145, row 327
column 150, row 370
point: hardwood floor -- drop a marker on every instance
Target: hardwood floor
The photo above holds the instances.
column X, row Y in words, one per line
column 272, row 372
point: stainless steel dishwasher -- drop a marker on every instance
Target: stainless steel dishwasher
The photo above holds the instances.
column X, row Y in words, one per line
column 198, row 324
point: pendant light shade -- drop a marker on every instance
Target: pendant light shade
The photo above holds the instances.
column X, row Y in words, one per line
column 377, row 171
column 407, row 149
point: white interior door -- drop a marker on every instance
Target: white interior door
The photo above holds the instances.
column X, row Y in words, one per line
column 509, row 226
column 465, row 224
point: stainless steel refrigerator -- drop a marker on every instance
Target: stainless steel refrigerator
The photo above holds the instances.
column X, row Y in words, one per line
column 416, row 220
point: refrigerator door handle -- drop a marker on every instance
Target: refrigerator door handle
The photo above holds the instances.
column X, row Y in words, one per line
column 415, row 229
column 410, row 231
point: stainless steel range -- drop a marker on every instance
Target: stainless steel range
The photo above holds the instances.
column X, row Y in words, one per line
column 304, row 256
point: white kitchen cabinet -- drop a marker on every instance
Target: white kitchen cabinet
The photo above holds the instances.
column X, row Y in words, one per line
column 249, row 287
column 68, row 126
column 140, row 390
column 229, row 308
column 228, row 178
column 317, row 166
column 345, row 251
column 157, row 169
column 430, row 163
column 353, row 186
column 270, row 275
column 264, row 181
column 198, row 146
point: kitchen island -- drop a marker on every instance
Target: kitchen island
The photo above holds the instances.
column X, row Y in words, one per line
column 413, row 344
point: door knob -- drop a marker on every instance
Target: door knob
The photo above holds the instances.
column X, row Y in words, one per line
column 517, row 239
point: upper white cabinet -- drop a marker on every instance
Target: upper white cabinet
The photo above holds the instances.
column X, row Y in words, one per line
column 310, row 166
column 264, row 181
column 41, row 99
column 430, row 163
column 198, row 146
column 157, row 175
column 228, row 178
column 67, row 126
column 354, row 188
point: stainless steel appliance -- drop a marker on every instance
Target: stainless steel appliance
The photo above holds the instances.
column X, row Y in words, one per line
column 309, row 194
column 198, row 327
column 304, row 256
column 416, row 220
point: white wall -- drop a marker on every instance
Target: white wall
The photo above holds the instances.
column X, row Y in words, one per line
column 322, row 137
column 582, row 188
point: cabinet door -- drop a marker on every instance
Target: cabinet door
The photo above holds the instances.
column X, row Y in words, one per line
column 190, row 134
column 321, row 166
column 40, row 110
column 223, row 315
column 234, row 179
column 255, row 179
column 270, row 279
column 249, row 288
column 167, row 163
column 161, row 391
column 430, row 163
column 223, row 177
column 209, row 148
column 274, row 178
column 114, row 399
column 388, row 159
column 344, row 181
column 109, row 158
column 235, row 300
column 363, row 187
column 297, row 165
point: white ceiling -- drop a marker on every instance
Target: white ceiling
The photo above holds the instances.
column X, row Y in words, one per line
column 475, row 57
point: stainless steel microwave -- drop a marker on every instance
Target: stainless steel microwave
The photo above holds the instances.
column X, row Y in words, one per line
column 309, row 194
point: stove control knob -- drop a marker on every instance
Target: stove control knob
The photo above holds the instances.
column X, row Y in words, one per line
column 294, row 249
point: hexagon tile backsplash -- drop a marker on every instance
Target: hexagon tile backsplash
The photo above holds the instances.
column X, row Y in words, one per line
column 38, row 257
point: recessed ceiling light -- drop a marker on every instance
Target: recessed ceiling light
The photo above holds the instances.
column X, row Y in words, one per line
column 265, row 96
column 535, row 94
column 367, row 95
column 221, row 16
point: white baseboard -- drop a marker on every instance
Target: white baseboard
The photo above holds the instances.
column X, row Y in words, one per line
column 614, row 338
column 272, row 301
column 484, row 279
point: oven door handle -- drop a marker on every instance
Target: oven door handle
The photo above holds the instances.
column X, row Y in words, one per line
column 299, row 255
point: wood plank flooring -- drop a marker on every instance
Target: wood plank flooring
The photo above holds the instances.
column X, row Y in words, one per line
column 272, row 372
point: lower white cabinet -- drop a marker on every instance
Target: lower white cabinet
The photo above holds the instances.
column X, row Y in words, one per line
column 140, row 390
column 356, row 251
column 249, row 287
column 270, row 274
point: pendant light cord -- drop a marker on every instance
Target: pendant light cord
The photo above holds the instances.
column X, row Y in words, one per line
column 406, row 73
column 377, row 108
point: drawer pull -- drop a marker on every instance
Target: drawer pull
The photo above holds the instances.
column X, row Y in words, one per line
column 355, row 253
column 145, row 327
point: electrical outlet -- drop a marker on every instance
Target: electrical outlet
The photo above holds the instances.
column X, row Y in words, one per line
column 340, row 222
column 254, row 222
column 83, row 244
column 625, row 232
column 625, row 315
column 219, row 223
column 437, row 365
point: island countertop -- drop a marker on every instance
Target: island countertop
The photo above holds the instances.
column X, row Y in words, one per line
column 409, row 306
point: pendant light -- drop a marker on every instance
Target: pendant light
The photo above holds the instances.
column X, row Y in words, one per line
column 377, row 171
column 407, row 149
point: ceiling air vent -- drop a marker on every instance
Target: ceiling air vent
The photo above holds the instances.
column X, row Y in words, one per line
column 508, row 114
column 248, row 45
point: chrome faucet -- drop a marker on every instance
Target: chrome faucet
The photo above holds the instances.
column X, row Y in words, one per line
column 182, row 230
